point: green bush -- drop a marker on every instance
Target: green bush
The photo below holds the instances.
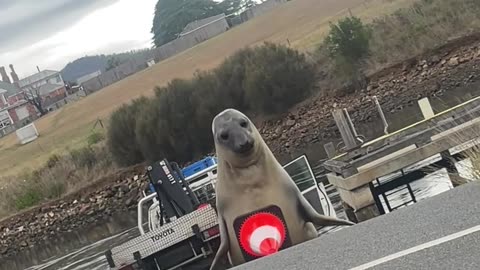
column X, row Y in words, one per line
column 55, row 190
column 53, row 160
column 210, row 97
column 230, row 77
column 348, row 40
column 176, row 123
column 277, row 77
column 161, row 128
column 95, row 137
column 121, row 136
column 348, row 45
column 84, row 157
column 28, row 198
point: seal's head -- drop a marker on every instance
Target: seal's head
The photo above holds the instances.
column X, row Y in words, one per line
column 236, row 138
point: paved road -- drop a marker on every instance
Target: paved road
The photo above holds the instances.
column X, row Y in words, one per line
column 442, row 232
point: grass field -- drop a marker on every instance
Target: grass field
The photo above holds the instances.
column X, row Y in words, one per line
column 302, row 22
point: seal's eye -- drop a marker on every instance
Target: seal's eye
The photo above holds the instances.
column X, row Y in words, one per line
column 243, row 123
column 224, row 136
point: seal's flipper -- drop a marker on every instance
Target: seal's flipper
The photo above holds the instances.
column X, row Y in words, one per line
column 320, row 220
column 220, row 261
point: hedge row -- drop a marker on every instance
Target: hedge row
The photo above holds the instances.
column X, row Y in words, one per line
column 176, row 123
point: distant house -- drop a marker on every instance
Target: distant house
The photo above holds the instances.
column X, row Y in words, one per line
column 87, row 77
column 47, row 84
column 15, row 111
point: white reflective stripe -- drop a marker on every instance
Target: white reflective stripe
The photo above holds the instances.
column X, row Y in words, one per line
column 262, row 233
column 414, row 249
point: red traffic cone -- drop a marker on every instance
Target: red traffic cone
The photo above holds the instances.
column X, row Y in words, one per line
column 262, row 234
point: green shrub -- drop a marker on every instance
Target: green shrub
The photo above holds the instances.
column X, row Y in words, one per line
column 53, row 160
column 161, row 128
column 348, row 45
column 28, row 198
column 172, row 126
column 84, row 157
column 121, row 136
column 95, row 137
column 277, row 77
column 55, row 190
column 176, row 123
column 348, row 40
column 210, row 97
column 230, row 77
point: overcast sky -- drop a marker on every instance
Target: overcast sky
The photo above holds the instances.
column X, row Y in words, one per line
column 51, row 33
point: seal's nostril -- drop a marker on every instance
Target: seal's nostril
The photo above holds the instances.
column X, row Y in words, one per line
column 245, row 147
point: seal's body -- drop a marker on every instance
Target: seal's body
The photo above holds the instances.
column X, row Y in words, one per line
column 249, row 178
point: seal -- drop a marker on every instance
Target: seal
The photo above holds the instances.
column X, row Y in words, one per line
column 249, row 178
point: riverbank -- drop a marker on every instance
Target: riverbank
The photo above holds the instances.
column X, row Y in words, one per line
column 91, row 205
column 449, row 70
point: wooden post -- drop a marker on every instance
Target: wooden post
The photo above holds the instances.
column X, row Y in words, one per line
column 382, row 115
column 348, row 135
column 330, row 149
column 426, row 108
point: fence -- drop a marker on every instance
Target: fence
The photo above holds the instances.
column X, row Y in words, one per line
column 127, row 68
column 258, row 10
column 211, row 27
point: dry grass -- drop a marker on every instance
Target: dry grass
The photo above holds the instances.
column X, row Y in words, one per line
column 420, row 27
column 302, row 22
column 62, row 175
column 469, row 167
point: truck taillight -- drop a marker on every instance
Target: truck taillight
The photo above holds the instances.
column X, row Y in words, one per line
column 202, row 206
column 211, row 232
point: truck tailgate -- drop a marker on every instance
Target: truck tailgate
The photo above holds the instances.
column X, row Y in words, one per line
column 168, row 235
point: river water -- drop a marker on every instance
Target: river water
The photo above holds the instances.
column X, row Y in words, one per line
column 91, row 256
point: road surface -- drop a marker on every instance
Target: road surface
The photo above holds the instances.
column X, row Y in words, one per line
column 441, row 232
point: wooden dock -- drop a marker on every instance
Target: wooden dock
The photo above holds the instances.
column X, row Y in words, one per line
column 356, row 171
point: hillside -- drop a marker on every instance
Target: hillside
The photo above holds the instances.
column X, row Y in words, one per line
column 89, row 64
column 302, row 22
column 84, row 66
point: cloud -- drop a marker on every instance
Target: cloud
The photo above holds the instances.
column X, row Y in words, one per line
column 23, row 22
column 93, row 27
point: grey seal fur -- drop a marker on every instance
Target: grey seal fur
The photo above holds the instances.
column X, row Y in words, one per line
column 249, row 177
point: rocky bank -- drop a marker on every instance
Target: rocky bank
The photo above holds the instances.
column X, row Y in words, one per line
column 117, row 193
column 454, row 65
column 445, row 69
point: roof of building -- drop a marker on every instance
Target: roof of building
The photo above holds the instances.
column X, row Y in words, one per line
column 37, row 77
column 9, row 88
